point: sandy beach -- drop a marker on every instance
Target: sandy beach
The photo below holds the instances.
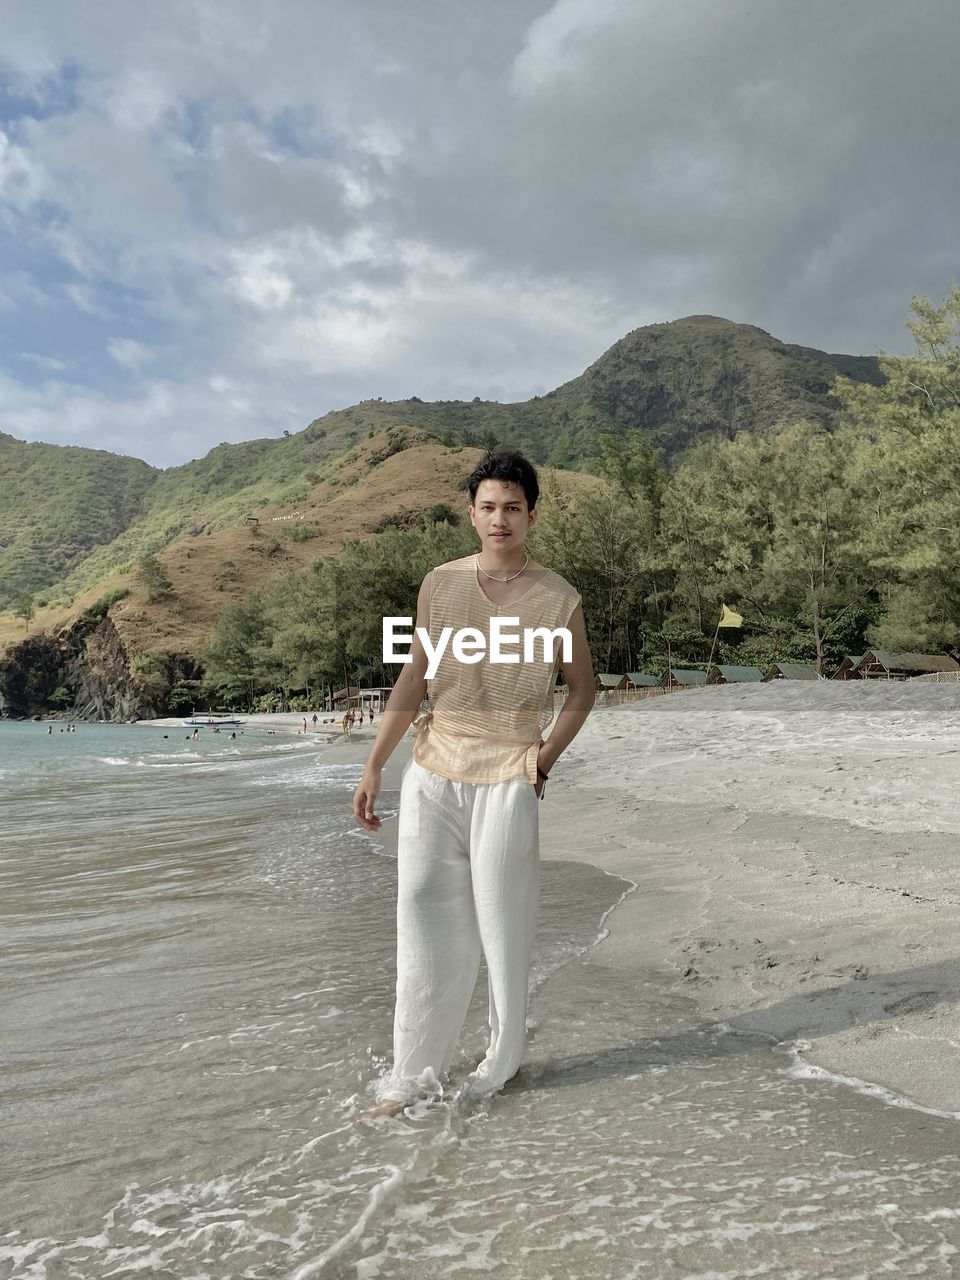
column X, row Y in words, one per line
column 795, row 849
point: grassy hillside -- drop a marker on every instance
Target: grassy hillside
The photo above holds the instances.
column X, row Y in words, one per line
column 72, row 519
column 386, row 480
column 56, row 504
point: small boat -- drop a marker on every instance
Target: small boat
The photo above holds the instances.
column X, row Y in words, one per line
column 213, row 720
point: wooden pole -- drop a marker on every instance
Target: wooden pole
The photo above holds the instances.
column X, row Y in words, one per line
column 713, row 646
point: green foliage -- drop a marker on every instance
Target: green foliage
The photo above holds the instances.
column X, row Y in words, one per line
column 23, row 607
column 601, row 543
column 100, row 608
column 57, row 504
column 184, row 695
column 153, row 578
column 439, row 513
column 60, row 698
column 908, row 469
column 300, row 532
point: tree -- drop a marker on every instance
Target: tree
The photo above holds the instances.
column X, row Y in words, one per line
column 597, row 541
column 60, row 698
column 771, row 522
column 909, row 468
column 813, row 567
column 632, row 464
column 716, row 526
column 23, row 607
column 151, row 575
column 238, row 661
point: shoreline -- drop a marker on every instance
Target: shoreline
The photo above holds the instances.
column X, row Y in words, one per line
column 327, row 729
column 814, row 931
column 835, row 939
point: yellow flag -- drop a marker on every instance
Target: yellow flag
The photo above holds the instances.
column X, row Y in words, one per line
column 730, row 619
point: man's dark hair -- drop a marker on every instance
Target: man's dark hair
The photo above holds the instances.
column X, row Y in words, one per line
column 508, row 466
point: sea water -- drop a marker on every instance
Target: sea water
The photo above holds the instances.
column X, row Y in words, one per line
column 196, row 967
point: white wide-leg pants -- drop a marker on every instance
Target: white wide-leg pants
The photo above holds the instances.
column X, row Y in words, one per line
column 468, row 880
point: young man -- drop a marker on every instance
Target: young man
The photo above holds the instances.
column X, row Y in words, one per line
column 468, row 840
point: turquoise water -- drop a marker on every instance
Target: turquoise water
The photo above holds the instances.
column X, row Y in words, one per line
column 196, row 961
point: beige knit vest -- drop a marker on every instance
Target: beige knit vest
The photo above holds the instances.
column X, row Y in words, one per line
column 486, row 718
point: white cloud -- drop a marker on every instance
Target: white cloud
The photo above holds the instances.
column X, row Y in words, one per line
column 257, row 279
column 47, row 363
column 129, row 354
column 164, row 423
column 553, row 49
column 294, row 207
column 22, row 180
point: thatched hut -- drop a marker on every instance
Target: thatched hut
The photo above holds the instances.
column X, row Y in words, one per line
column 847, row 669
column 879, row 664
column 792, row 671
column 640, row 680
column 722, row 674
column 682, row 678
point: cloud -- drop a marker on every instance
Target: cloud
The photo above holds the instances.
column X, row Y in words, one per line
column 129, row 354
column 22, row 182
column 242, row 216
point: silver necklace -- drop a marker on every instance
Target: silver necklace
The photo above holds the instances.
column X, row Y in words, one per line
column 526, row 561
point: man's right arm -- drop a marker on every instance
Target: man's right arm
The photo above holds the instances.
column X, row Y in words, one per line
column 403, row 706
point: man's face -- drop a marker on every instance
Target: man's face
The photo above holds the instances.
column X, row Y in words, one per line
column 500, row 516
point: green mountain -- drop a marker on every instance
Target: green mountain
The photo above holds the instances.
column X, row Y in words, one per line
column 59, row 503
column 675, row 382
column 70, row 516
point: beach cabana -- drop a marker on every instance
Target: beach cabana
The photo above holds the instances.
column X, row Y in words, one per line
column 607, row 683
column 847, row 669
column 880, row 664
column 343, row 698
column 640, row 680
column 682, row 678
column 719, row 674
column 792, row 671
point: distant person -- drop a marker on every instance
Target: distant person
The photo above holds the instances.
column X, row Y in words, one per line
column 347, row 721
column 304, row 724
column 196, row 735
column 314, row 721
column 371, row 715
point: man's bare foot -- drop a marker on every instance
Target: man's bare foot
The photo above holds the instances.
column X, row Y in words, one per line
column 388, row 1107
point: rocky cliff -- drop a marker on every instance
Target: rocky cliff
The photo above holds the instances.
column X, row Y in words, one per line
column 82, row 671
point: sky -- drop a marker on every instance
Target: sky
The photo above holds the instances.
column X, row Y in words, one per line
column 220, row 219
